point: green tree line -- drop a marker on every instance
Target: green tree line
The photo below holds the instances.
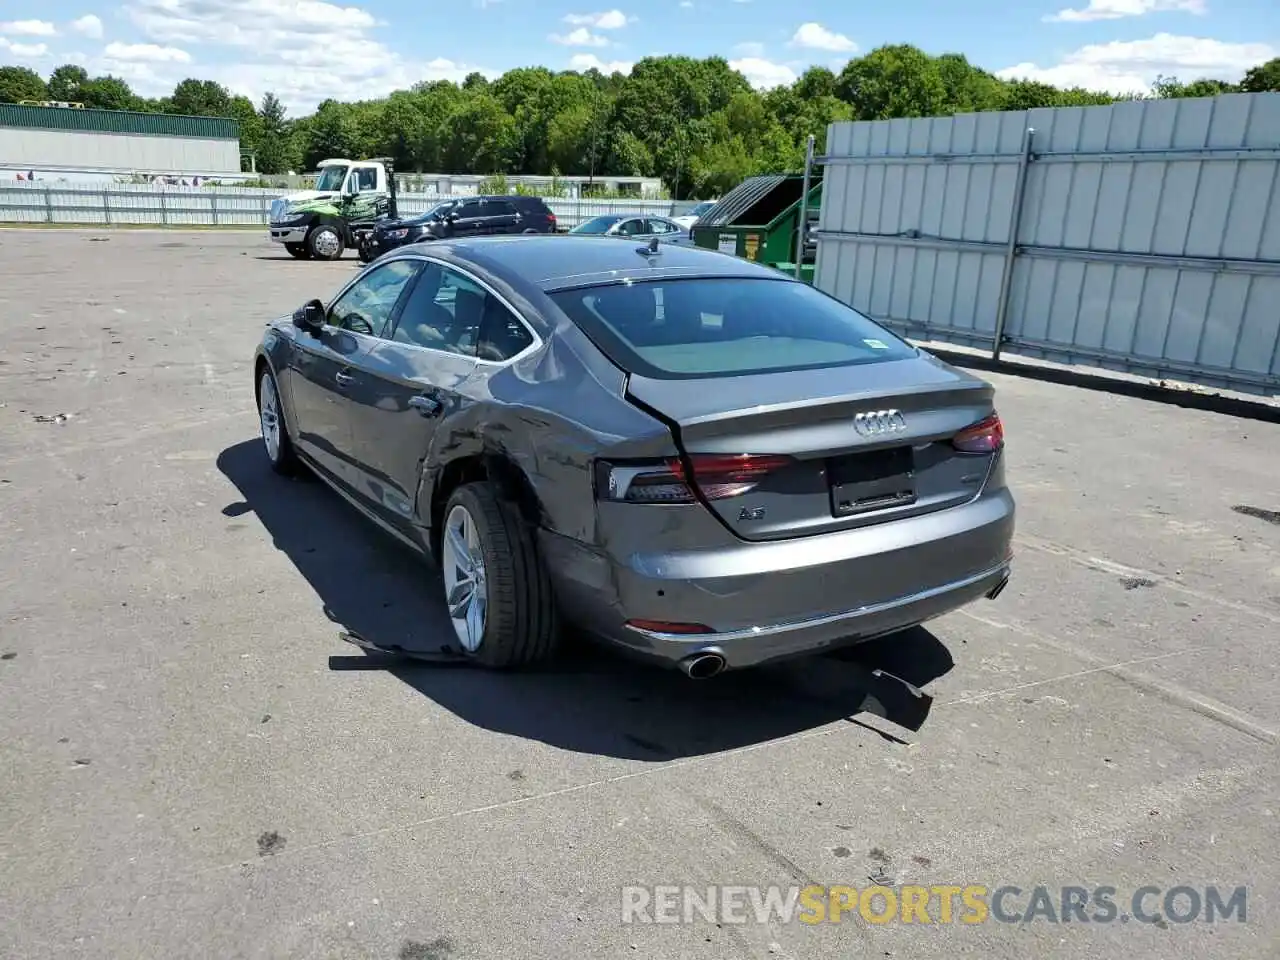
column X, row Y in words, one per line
column 696, row 124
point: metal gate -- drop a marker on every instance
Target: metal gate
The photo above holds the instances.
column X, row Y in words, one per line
column 1141, row 236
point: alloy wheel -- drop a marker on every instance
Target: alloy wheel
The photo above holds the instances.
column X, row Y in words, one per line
column 269, row 415
column 465, row 587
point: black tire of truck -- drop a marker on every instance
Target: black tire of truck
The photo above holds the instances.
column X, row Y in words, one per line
column 298, row 251
column 325, row 242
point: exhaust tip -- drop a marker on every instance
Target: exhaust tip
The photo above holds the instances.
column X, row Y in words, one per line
column 997, row 589
column 702, row 666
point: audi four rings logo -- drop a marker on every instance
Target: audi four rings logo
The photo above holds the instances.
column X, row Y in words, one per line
column 879, row 422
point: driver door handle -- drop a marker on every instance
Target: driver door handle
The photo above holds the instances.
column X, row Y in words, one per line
column 427, row 406
column 343, row 378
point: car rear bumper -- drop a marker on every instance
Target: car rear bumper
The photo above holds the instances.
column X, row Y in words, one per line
column 768, row 600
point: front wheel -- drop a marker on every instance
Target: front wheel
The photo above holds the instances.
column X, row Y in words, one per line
column 496, row 589
column 325, row 242
column 298, row 251
column 275, row 435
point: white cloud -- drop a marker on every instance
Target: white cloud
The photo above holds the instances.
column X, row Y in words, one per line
column 609, row 20
column 814, row 36
column 304, row 51
column 764, row 74
column 582, row 37
column 145, row 53
column 24, row 51
column 29, row 28
column 1120, row 9
column 88, row 25
column 589, row 61
column 1132, row 66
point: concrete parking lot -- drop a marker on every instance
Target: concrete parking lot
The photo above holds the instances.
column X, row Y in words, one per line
column 182, row 774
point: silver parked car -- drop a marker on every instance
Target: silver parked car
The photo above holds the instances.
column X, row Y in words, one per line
column 692, row 456
column 689, row 219
column 663, row 229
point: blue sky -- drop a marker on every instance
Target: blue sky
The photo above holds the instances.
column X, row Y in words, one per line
column 306, row 50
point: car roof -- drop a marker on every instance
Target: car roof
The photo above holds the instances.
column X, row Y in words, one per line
column 555, row 262
column 513, row 197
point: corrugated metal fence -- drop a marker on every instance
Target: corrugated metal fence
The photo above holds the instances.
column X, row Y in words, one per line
column 39, row 202
column 1141, row 236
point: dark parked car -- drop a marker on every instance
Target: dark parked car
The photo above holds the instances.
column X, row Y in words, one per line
column 469, row 217
column 690, row 455
column 635, row 228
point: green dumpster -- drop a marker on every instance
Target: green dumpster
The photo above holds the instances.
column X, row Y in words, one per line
column 757, row 220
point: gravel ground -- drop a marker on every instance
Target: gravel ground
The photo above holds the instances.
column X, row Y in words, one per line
column 186, row 773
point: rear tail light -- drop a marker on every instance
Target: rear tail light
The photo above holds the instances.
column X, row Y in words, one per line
column 715, row 477
column 985, row 436
column 551, row 219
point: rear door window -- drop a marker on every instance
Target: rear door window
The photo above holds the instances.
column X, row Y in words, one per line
column 723, row 327
column 443, row 312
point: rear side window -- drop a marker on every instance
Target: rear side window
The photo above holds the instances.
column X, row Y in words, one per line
column 724, row 327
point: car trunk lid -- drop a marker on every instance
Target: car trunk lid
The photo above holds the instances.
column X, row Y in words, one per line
column 842, row 447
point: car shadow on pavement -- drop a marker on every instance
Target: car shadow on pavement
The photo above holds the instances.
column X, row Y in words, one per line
column 589, row 700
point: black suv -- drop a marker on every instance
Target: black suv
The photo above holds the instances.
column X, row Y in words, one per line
column 465, row 217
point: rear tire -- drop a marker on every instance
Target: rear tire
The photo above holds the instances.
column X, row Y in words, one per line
column 518, row 624
column 298, row 251
column 275, row 434
column 325, row 242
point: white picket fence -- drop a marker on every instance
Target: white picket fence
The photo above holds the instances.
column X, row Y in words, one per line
column 145, row 204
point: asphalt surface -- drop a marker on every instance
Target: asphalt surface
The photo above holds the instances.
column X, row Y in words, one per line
column 184, row 772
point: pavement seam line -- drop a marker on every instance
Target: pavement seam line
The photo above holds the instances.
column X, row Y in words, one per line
column 1175, row 693
column 828, row 730
column 1104, row 565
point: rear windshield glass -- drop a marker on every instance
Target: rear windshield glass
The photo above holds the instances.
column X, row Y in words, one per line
column 674, row 329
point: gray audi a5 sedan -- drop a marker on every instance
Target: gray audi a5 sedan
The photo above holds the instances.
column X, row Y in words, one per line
column 690, row 455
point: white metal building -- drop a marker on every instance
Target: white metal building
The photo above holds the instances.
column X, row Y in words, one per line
column 1141, row 236
column 77, row 144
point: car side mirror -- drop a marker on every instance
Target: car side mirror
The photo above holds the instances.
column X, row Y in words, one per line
column 452, row 216
column 309, row 316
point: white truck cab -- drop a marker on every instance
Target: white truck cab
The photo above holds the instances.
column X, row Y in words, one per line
column 348, row 196
column 350, row 176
